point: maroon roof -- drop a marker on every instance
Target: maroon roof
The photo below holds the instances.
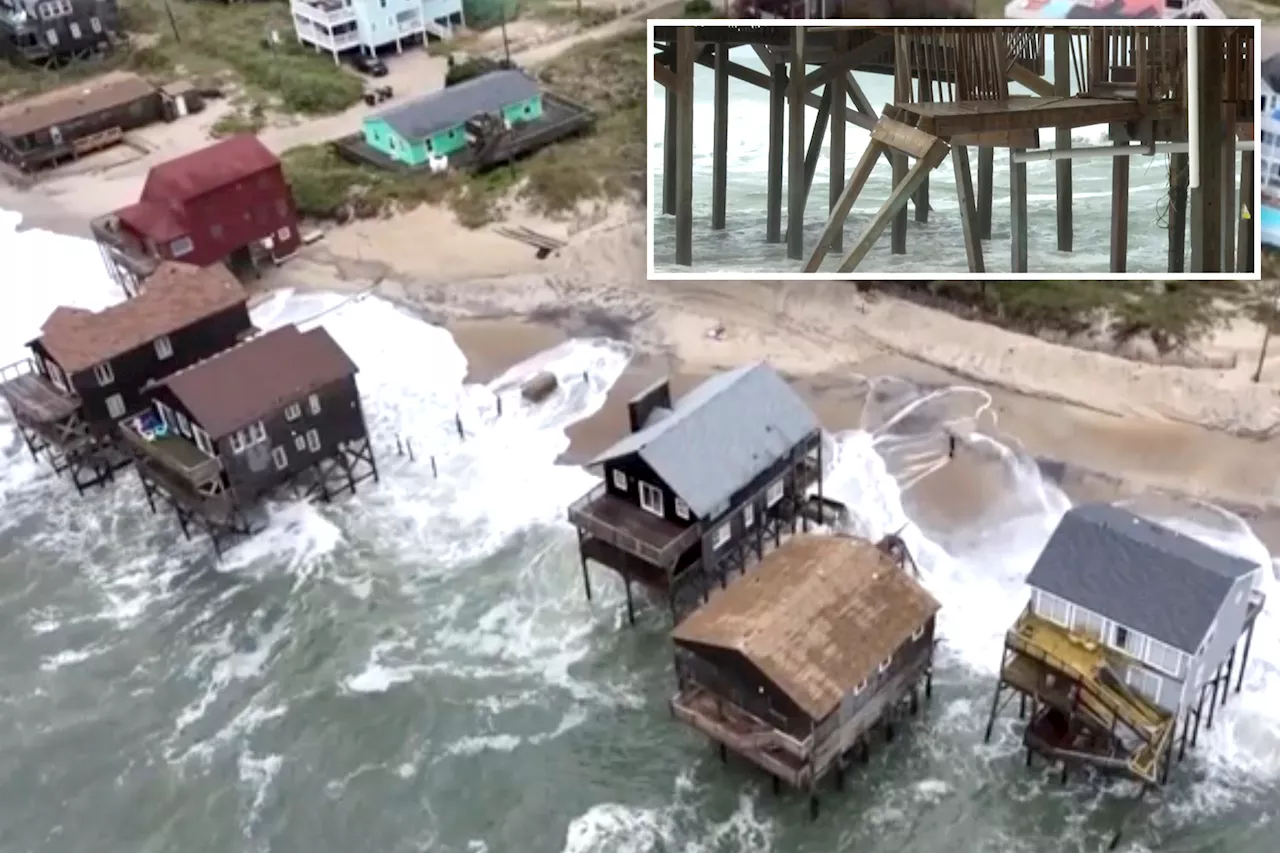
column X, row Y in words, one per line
column 221, row 164
column 244, row 384
column 174, row 297
column 153, row 220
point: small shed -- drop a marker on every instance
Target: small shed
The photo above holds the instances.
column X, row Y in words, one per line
column 181, row 98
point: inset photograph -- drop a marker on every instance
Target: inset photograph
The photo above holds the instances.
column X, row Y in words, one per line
column 1030, row 150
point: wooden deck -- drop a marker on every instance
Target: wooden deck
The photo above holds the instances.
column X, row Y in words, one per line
column 175, row 453
column 630, row 528
column 36, row 401
column 965, row 117
column 747, row 735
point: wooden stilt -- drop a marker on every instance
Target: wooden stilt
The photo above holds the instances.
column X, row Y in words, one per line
column 631, row 606
column 1178, row 165
column 921, row 197
column 1213, row 702
column 684, row 146
column 839, row 99
column 1195, row 732
column 1120, row 210
column 901, row 168
column 795, row 148
column 669, row 155
column 995, row 709
column 1230, row 212
column 720, row 139
column 773, row 196
column 1206, row 199
column 835, row 223
column 1244, row 217
column 1062, row 137
column 1017, row 213
column 986, row 192
column 1244, row 658
column 968, row 210
column 811, row 159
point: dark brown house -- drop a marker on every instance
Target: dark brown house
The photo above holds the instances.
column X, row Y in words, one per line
column 52, row 33
column 795, row 663
column 87, row 370
column 46, row 129
column 700, row 484
column 280, row 410
column 228, row 202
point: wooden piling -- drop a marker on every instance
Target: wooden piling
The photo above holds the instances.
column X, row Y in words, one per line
column 795, row 148
column 1119, row 209
column 986, row 192
column 921, row 197
column 835, row 178
column 684, row 146
column 968, row 216
column 1062, row 137
column 1244, row 217
column 1017, row 212
column 901, row 169
column 720, row 139
column 811, row 163
column 1178, row 165
column 1230, row 212
column 669, row 155
column 1206, row 199
column 773, row 196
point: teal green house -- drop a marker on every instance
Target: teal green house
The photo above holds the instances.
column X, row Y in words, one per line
column 435, row 124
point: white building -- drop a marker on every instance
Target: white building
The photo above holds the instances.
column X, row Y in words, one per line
column 338, row 26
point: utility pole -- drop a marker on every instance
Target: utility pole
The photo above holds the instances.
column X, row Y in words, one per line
column 173, row 22
column 506, row 47
column 1266, row 334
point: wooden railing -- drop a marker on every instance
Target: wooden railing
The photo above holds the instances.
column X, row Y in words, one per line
column 581, row 516
column 21, row 367
column 199, row 474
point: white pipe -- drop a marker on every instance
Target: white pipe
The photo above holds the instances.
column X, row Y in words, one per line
column 1193, row 105
column 1102, row 152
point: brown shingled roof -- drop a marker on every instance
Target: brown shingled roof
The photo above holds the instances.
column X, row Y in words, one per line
column 246, row 383
column 816, row 616
column 104, row 92
column 175, row 296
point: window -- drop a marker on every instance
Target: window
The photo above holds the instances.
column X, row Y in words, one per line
column 917, row 633
column 238, row 441
column 682, row 509
column 75, row 30
column 313, row 440
column 115, row 406
column 1128, row 641
column 862, row 685
column 279, row 457
column 720, row 536
column 184, row 425
column 1088, row 623
column 1163, row 657
column 51, row 36
column 748, row 515
column 292, row 412
column 257, row 433
column 202, row 440
column 774, row 494
column 651, row 498
column 1053, row 608
column 164, row 347
column 1146, row 683
column 103, row 373
column 885, row 664
column 95, row 24
column 300, row 442
column 619, row 480
column 181, row 246
column 313, row 404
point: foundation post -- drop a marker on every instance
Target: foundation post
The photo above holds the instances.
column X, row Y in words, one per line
column 1206, row 199
column 924, row 95
column 839, row 98
column 1017, row 212
column 773, row 198
column 1119, row 209
column 1062, row 136
column 1244, row 234
column 795, row 148
column 669, row 155
column 901, row 95
column 1244, row 658
column 684, row 146
column 1178, row 165
column 720, row 140
column 811, row 166
column 1230, row 212
column 986, row 176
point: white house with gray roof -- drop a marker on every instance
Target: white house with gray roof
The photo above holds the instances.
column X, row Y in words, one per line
column 341, row 26
column 1169, row 608
column 700, row 482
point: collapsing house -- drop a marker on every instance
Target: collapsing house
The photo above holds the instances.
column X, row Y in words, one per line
column 1131, row 627
column 795, row 664
column 693, row 494
column 228, row 202
column 87, row 370
column 279, row 412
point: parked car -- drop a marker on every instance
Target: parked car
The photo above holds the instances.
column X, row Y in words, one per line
column 370, row 65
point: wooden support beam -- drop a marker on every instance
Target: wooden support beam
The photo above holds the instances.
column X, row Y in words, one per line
column 759, row 78
column 795, row 148
column 925, row 95
column 773, row 194
column 865, row 112
column 720, row 139
column 1230, row 212
column 901, row 171
column 968, row 209
column 1120, row 210
column 845, row 60
column 813, row 153
column 840, row 212
column 894, row 206
column 986, row 190
column 1017, row 213
column 1037, row 84
column 1244, row 219
column 1206, row 199
column 663, row 75
column 669, row 154
column 835, row 177
column 899, row 137
column 685, row 49
column 1062, row 137
column 1178, row 165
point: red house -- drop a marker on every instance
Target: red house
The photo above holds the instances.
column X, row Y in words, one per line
column 228, row 202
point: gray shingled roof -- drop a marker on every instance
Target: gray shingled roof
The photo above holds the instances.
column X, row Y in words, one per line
column 721, row 435
column 1135, row 572
column 453, row 105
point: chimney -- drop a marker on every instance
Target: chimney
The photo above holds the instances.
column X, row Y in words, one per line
column 656, row 396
